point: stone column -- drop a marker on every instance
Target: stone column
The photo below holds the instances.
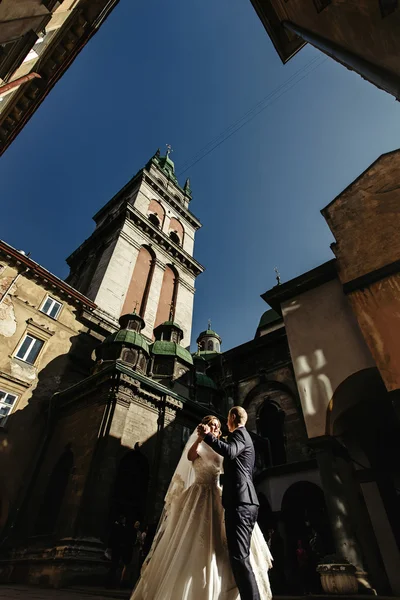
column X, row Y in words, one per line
column 347, row 516
column 336, row 497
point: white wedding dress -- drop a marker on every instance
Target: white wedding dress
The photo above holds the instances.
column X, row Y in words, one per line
column 189, row 556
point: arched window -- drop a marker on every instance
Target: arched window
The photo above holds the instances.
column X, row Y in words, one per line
column 167, row 301
column 176, row 231
column 210, row 345
column 174, row 237
column 55, row 492
column 274, row 414
column 270, row 425
column 154, row 219
column 156, row 211
column 139, row 287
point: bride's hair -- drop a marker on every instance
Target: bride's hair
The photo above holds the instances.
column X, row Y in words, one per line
column 209, row 418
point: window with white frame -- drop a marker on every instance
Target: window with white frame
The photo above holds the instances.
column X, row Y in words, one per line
column 51, row 307
column 29, row 349
column 7, row 402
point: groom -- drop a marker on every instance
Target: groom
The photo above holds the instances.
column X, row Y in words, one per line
column 239, row 497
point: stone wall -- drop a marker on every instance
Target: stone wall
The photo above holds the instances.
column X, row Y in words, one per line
column 63, row 360
column 365, row 220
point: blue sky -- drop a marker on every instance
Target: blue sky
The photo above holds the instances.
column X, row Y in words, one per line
column 180, row 73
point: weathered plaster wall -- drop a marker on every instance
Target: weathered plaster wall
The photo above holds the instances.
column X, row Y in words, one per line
column 33, row 384
column 365, row 220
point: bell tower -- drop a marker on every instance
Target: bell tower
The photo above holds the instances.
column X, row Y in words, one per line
column 140, row 255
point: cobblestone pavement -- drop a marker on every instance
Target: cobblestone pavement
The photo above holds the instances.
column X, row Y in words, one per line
column 17, row 592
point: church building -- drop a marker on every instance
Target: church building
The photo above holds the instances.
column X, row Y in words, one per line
column 99, row 391
column 105, row 441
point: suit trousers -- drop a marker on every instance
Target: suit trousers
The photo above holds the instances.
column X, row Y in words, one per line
column 239, row 524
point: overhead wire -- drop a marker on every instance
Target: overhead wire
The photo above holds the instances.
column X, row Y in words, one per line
column 253, row 108
column 253, row 112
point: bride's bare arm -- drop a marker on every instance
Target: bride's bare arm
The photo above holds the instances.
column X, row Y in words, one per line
column 192, row 453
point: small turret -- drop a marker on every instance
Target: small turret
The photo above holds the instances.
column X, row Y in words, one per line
column 209, row 342
column 126, row 344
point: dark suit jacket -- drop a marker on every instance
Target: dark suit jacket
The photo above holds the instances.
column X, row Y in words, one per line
column 239, row 458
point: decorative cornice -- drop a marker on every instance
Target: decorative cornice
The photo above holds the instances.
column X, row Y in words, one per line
column 163, row 241
column 100, row 322
column 368, row 279
column 38, row 328
column 303, row 283
column 182, row 210
column 130, row 240
column 15, row 380
column 186, row 285
column 160, row 264
column 50, row 280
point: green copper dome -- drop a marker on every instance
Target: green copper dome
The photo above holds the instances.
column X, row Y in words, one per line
column 162, row 347
column 209, row 333
column 171, row 324
column 270, row 316
column 128, row 337
column 203, row 380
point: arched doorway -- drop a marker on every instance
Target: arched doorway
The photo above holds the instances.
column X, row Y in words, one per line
column 362, row 418
column 131, row 486
column 306, row 526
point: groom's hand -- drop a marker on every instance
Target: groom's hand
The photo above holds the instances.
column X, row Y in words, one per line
column 202, row 430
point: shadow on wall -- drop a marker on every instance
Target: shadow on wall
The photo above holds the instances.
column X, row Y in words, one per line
column 73, row 481
column 306, row 529
column 362, row 416
column 24, row 433
column 364, row 386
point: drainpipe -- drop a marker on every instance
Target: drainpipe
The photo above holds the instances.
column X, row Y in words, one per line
column 379, row 76
column 14, row 281
column 4, row 89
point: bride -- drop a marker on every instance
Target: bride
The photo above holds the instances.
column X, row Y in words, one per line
column 189, row 557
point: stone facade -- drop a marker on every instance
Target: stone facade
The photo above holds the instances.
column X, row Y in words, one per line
column 368, row 258
column 27, row 382
column 362, row 36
